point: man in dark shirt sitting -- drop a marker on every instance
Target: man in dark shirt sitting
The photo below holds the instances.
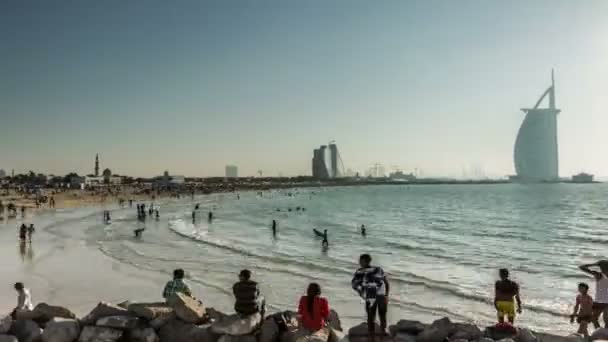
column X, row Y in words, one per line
column 247, row 295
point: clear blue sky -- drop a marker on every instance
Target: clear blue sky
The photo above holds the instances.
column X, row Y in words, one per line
column 191, row 86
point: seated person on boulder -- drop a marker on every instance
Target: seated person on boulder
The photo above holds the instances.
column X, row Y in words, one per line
column 177, row 285
column 313, row 310
column 247, row 295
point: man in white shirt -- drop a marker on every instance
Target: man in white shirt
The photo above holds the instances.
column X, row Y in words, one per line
column 24, row 299
column 600, row 302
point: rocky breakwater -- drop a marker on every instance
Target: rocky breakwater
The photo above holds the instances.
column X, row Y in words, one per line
column 184, row 319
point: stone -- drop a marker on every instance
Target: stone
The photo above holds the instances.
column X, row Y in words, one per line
column 5, row 324
column 180, row 331
column 236, row 325
column 407, row 327
column 525, row 335
column 214, row 315
column 405, row 337
column 506, row 340
column 187, row 308
column 26, row 330
column 24, row 315
column 118, row 322
column 47, row 312
column 466, row 331
column 150, row 311
column 334, row 320
column 61, row 330
column 161, row 320
column 304, row 335
column 552, row 338
column 102, row 310
column 498, row 333
column 143, row 335
column 485, row 339
column 335, row 335
column 361, row 330
column 8, row 338
column 246, row 338
column 459, row 340
column 269, row 331
column 438, row 331
column 599, row 334
column 99, row 334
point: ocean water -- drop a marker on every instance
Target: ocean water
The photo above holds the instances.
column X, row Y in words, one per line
column 441, row 245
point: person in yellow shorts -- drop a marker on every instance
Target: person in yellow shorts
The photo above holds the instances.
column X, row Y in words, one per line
column 506, row 293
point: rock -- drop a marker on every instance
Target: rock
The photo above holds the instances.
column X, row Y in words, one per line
column 552, row 338
column 404, row 337
column 214, row 315
column 99, row 334
column 143, row 335
column 236, row 325
column 438, row 331
column 361, row 330
column 459, row 340
column 5, row 324
column 125, row 304
column 303, row 335
column 506, row 340
column 179, row 331
column 335, row 335
column 525, row 335
column 499, row 333
column 26, row 330
column 8, row 338
column 118, row 322
column 102, row 310
column 48, row 312
column 599, row 334
column 269, row 332
column 150, row 311
column 334, row 320
column 61, row 330
column 24, row 315
column 407, row 327
column 187, row 308
column 246, row 338
column 161, row 320
column 485, row 339
column 465, row 331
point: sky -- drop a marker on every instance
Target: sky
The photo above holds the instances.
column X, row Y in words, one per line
column 191, row 86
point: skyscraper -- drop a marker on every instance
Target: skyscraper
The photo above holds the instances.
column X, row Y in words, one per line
column 536, row 152
column 97, row 165
column 319, row 168
column 333, row 159
column 232, row 171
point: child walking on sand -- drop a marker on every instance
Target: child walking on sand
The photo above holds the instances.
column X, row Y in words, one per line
column 583, row 309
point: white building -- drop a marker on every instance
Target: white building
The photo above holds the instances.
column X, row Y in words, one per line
column 232, row 171
column 2, row 173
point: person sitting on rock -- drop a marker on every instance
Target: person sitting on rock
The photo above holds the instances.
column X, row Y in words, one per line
column 24, row 300
column 313, row 310
column 247, row 295
column 177, row 285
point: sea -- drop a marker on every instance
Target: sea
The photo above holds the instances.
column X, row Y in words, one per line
column 440, row 245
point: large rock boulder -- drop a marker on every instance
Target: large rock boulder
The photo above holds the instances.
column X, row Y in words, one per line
column 465, row 331
column 269, row 331
column 61, row 330
column 304, row 335
column 235, row 325
column 552, row 338
column 361, row 330
column 334, row 320
column 506, row 340
column 599, row 334
column 214, row 315
column 335, row 335
column 99, row 334
column 8, row 338
column 161, row 320
column 179, row 331
column 5, row 324
column 150, row 311
column 48, row 312
column 102, row 310
column 143, row 335
column 498, row 333
column 187, row 308
column 246, row 338
column 118, row 322
column 26, row 330
column 404, row 337
column 407, row 327
column 525, row 335
column 438, row 331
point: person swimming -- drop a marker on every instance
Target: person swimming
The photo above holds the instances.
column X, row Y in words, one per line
column 363, row 232
column 138, row 232
column 197, row 206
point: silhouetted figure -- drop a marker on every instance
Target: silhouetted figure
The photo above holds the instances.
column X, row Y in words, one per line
column 193, row 216
column 210, row 217
column 363, row 231
column 274, row 227
column 197, row 206
column 23, row 211
column 138, row 232
column 30, row 232
column 325, row 242
column 23, row 232
column 157, row 215
column 130, row 203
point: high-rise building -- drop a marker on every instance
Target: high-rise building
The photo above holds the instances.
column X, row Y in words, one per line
column 2, row 173
column 536, row 152
column 232, row 171
column 97, row 165
column 333, row 160
column 319, row 168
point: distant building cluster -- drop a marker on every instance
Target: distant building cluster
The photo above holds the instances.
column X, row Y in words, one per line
column 2, row 173
column 232, row 171
column 325, row 162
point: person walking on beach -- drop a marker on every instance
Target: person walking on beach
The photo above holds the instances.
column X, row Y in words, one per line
column 24, row 300
column 505, row 290
column 23, row 232
column 600, row 303
column 30, row 232
column 583, row 309
column 177, row 285
column 372, row 285
column 247, row 296
column 313, row 310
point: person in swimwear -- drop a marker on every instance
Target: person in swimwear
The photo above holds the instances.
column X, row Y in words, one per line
column 583, row 309
column 506, row 291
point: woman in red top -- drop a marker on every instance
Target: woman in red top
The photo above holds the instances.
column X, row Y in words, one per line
column 313, row 309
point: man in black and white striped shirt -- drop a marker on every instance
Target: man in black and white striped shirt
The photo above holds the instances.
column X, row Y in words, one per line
column 373, row 286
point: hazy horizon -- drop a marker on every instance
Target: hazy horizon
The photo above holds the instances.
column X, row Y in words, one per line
column 192, row 86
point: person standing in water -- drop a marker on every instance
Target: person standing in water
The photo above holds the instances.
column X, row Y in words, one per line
column 505, row 292
column 600, row 303
column 23, row 232
column 210, row 216
column 274, row 227
column 583, row 309
column 363, row 232
column 30, row 231
column 157, row 214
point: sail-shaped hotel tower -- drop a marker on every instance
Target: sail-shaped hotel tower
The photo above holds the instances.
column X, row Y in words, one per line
column 536, row 152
